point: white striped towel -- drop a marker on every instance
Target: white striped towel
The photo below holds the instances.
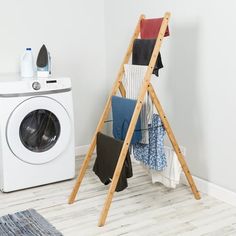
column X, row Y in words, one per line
column 133, row 79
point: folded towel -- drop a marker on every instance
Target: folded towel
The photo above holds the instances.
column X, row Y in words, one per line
column 149, row 28
column 142, row 52
column 133, row 79
column 108, row 152
column 122, row 112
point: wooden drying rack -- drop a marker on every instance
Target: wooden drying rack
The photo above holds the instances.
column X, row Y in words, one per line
column 146, row 86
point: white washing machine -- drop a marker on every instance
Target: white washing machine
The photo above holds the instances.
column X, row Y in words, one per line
column 36, row 132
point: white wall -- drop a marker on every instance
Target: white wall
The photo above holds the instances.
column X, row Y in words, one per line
column 197, row 86
column 73, row 31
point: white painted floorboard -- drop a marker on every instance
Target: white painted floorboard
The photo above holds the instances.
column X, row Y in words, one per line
column 142, row 209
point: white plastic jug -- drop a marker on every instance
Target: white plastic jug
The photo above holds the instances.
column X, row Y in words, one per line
column 27, row 64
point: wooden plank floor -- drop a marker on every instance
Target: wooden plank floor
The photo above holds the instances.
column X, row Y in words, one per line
column 142, row 209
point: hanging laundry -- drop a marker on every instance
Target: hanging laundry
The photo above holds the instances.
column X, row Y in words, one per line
column 149, row 28
column 122, row 112
column 170, row 176
column 132, row 81
column 108, row 152
column 152, row 154
column 142, row 53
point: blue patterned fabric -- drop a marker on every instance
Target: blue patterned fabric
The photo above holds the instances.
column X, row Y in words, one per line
column 122, row 111
column 152, row 154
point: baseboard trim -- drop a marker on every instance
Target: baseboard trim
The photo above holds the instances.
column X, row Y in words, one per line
column 82, row 150
column 212, row 189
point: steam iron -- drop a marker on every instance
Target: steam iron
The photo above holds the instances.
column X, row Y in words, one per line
column 43, row 63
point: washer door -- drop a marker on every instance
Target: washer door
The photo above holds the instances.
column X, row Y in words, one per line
column 38, row 130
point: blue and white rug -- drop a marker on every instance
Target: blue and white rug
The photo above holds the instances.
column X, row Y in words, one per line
column 26, row 223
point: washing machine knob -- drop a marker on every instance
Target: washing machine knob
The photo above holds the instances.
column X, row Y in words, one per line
column 36, row 86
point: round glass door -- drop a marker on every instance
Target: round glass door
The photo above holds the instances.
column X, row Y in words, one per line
column 39, row 130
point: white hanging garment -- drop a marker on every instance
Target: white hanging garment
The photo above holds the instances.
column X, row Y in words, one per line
column 133, row 79
column 170, row 176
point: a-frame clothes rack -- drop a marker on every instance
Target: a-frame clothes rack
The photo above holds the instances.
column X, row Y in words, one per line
column 146, row 87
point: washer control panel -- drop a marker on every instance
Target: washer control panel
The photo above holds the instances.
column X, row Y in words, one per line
column 49, row 84
column 12, row 86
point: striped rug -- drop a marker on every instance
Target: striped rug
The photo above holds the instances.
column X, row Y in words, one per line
column 26, row 223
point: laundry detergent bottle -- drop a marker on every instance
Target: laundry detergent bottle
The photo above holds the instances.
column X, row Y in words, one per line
column 27, row 64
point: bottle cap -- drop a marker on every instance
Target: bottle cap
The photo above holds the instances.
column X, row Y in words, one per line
column 28, row 49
